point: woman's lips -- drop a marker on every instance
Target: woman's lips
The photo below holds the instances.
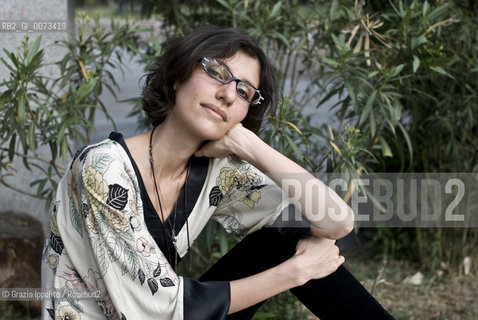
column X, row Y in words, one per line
column 215, row 111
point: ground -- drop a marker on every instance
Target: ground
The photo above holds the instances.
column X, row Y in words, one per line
column 406, row 290
column 443, row 294
column 446, row 293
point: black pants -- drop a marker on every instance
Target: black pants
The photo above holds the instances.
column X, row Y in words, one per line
column 337, row 296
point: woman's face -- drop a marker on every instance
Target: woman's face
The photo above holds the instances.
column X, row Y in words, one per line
column 209, row 108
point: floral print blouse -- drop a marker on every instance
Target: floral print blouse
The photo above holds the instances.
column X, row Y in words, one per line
column 106, row 238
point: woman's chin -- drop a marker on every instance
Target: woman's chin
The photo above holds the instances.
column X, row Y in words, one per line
column 210, row 131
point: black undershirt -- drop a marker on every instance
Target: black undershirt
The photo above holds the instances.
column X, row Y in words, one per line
column 182, row 209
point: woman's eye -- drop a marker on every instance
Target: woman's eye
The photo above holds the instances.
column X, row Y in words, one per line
column 213, row 71
column 245, row 91
column 242, row 93
column 219, row 72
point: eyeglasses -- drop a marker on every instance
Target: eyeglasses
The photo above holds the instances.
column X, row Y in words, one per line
column 221, row 73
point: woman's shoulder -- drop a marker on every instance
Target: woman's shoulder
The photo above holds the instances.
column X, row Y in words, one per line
column 106, row 148
column 100, row 156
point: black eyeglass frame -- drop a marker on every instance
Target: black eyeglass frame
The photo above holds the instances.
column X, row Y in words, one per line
column 255, row 102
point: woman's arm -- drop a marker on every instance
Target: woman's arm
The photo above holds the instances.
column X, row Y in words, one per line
column 329, row 215
column 314, row 258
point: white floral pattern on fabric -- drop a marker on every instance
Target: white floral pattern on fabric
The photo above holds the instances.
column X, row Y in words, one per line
column 246, row 198
column 238, row 181
column 98, row 244
column 67, row 312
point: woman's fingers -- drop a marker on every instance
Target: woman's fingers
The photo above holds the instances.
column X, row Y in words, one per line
column 223, row 146
column 212, row 149
column 341, row 259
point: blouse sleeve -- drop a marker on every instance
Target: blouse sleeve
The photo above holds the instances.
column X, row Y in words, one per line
column 246, row 198
column 103, row 245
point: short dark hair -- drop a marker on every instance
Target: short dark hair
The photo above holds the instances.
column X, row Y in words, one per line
column 180, row 57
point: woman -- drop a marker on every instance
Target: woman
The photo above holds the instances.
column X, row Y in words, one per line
column 128, row 210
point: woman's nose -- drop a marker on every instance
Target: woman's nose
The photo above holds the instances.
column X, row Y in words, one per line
column 227, row 93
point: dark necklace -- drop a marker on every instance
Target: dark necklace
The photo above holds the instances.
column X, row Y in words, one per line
column 172, row 226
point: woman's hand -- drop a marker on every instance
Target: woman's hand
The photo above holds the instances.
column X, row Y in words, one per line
column 316, row 258
column 228, row 144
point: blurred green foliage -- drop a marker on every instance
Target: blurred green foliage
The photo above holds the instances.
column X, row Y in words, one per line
column 397, row 79
column 40, row 110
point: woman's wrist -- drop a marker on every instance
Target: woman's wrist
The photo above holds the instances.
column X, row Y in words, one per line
column 253, row 289
column 244, row 142
column 291, row 272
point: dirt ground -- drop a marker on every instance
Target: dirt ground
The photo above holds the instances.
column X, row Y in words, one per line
column 407, row 292
column 410, row 294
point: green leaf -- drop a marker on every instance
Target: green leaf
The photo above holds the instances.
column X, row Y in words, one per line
column 11, row 148
column 294, row 147
column 425, row 9
column 12, row 57
column 6, row 64
column 416, row 63
column 328, row 96
column 407, row 140
column 21, row 109
column 338, row 41
column 31, row 137
column 64, row 149
column 373, row 125
column 61, row 132
column 7, row 53
column 85, row 89
column 397, row 70
column 34, row 49
column 377, row 203
column 329, row 61
column 301, row 44
column 386, row 151
column 41, row 186
column 45, row 109
column 436, row 12
column 351, row 92
column 275, row 9
column 416, row 42
column 53, row 150
column 35, row 63
column 282, row 38
column 440, row 70
column 373, row 74
column 333, row 10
